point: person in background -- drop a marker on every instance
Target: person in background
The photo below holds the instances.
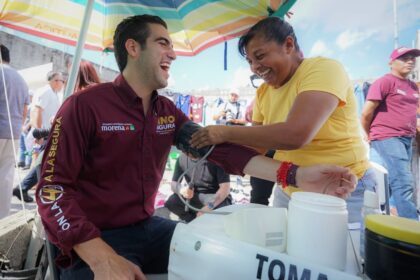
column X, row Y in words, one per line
column 389, row 120
column 46, row 101
column 305, row 109
column 14, row 98
column 261, row 189
column 25, row 153
column 86, row 76
column 106, row 155
column 418, row 124
column 208, row 187
column 31, row 178
column 231, row 111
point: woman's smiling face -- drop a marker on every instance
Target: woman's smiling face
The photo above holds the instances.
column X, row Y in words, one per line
column 270, row 60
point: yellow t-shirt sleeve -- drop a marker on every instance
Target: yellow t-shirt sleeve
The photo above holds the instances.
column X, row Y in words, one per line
column 326, row 75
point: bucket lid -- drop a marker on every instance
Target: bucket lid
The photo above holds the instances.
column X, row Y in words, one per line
column 397, row 228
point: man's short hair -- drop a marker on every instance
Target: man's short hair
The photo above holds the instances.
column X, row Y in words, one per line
column 51, row 75
column 5, row 54
column 136, row 28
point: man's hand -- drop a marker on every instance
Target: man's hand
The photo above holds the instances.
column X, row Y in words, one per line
column 187, row 193
column 328, row 179
column 209, row 135
column 117, row 267
column 205, row 209
column 106, row 263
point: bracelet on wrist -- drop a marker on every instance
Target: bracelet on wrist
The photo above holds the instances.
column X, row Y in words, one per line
column 210, row 205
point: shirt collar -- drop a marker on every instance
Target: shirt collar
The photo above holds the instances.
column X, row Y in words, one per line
column 127, row 94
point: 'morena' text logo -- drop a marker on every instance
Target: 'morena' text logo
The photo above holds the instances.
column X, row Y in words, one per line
column 111, row 127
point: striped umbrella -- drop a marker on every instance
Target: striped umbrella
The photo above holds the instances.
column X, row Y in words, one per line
column 194, row 25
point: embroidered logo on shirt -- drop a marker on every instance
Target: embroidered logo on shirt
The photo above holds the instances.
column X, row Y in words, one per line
column 166, row 124
column 50, row 193
column 117, row 127
column 400, row 91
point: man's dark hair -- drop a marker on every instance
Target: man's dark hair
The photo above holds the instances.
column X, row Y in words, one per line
column 272, row 28
column 5, row 54
column 136, row 28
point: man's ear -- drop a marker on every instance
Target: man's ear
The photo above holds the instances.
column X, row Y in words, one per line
column 132, row 47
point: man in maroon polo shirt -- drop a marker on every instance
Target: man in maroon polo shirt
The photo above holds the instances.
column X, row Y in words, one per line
column 106, row 155
column 389, row 119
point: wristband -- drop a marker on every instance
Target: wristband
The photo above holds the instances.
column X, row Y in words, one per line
column 291, row 175
column 210, row 205
column 286, row 174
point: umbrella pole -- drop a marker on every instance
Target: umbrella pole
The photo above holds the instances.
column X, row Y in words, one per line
column 282, row 10
column 71, row 82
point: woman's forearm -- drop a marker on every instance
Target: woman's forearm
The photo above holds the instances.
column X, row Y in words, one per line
column 276, row 136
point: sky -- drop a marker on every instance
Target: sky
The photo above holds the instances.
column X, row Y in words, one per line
column 358, row 33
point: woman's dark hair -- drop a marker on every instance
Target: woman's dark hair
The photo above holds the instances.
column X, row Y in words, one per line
column 87, row 76
column 136, row 28
column 5, row 54
column 272, row 28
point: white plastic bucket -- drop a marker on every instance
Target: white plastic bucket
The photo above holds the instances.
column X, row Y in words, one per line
column 265, row 227
column 317, row 229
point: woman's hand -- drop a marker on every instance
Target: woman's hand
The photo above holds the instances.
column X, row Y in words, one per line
column 328, row 179
column 209, row 135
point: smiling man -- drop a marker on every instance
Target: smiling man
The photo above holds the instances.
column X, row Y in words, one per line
column 104, row 161
column 389, row 119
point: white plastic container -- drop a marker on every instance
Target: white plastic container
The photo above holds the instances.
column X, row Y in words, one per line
column 317, row 229
column 370, row 206
column 265, row 227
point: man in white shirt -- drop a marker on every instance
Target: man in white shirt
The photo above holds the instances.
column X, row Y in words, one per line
column 46, row 102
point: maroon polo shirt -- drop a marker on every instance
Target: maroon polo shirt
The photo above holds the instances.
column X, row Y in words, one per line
column 104, row 161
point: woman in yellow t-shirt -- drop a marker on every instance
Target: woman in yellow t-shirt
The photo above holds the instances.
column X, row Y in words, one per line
column 306, row 109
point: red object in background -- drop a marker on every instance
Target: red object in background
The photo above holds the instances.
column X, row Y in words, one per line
column 196, row 108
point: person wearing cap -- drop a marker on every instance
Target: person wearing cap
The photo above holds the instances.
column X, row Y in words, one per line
column 389, row 120
column 230, row 112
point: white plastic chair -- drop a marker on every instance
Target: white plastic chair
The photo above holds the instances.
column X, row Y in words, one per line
column 382, row 188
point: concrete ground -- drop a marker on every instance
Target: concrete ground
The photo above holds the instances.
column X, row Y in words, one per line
column 16, row 203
